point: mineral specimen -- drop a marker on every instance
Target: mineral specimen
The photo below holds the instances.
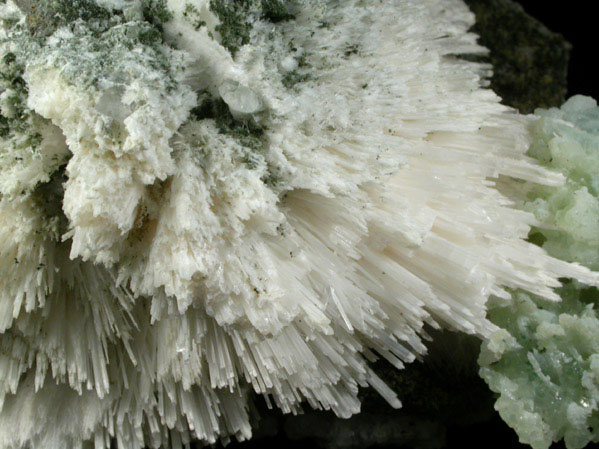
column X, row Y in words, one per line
column 544, row 362
column 204, row 198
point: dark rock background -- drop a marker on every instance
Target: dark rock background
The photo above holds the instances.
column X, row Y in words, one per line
column 445, row 403
column 530, row 63
column 575, row 20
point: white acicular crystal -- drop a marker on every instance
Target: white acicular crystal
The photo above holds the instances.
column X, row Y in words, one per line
column 199, row 199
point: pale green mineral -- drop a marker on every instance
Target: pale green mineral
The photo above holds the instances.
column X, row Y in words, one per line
column 544, row 361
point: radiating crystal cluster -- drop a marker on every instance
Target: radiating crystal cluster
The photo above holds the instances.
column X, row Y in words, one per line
column 544, row 362
column 200, row 199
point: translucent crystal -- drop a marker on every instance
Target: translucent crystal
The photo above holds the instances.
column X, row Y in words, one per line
column 207, row 199
column 544, row 361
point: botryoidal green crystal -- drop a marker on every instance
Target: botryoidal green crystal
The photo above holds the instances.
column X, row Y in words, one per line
column 544, row 359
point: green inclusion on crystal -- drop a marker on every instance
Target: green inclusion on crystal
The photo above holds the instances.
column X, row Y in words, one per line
column 156, row 12
column 276, row 11
column 247, row 133
column 98, row 44
column 236, row 17
column 291, row 79
column 47, row 197
column 18, row 129
column 14, row 90
column 46, row 16
column 118, row 52
column 235, row 26
column 192, row 15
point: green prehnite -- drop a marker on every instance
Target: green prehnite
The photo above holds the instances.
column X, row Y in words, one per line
column 544, row 361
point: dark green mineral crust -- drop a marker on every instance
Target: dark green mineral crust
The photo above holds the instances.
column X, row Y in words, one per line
column 45, row 16
column 234, row 27
column 48, row 197
column 246, row 132
column 276, row 10
column 530, row 63
column 236, row 17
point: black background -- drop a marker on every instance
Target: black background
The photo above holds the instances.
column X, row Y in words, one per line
column 578, row 22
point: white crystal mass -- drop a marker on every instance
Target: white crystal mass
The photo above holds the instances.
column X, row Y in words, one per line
column 194, row 267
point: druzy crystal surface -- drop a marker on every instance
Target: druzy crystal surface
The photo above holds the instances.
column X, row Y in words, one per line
column 544, row 362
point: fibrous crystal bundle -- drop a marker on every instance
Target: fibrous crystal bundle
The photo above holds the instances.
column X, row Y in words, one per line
column 200, row 199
